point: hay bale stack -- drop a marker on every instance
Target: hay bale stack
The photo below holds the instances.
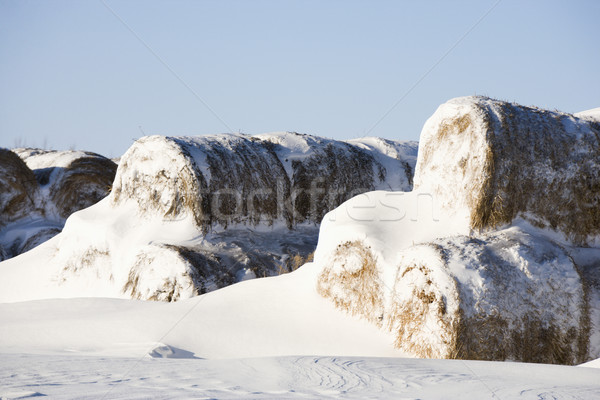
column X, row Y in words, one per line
column 237, row 179
column 19, row 190
column 501, row 161
column 73, row 180
column 505, row 296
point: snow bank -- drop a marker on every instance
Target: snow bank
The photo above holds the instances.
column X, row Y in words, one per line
column 502, row 161
column 480, row 260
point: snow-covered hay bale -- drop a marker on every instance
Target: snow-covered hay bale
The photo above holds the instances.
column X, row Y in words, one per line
column 19, row 189
column 215, row 179
column 352, row 281
column 238, row 179
column 501, row 161
column 505, row 296
column 73, row 180
column 171, row 273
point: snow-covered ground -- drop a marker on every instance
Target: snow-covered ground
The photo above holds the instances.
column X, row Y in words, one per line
column 265, row 338
column 25, row 376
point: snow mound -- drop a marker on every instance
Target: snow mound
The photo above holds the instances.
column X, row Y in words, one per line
column 501, row 161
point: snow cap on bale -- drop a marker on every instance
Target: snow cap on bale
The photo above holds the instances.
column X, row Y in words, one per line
column 74, row 180
column 19, row 191
column 503, row 161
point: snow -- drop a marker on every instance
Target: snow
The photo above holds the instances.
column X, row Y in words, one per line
column 593, row 113
column 67, row 377
column 262, row 317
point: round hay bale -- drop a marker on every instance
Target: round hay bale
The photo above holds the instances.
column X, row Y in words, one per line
column 171, row 273
column 73, row 180
column 502, row 161
column 19, row 190
column 84, row 182
column 506, row 296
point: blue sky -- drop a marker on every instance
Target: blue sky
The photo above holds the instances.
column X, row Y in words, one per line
column 72, row 75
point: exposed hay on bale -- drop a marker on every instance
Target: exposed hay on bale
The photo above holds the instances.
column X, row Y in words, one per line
column 352, row 281
column 502, row 161
column 508, row 296
column 74, row 180
column 19, row 190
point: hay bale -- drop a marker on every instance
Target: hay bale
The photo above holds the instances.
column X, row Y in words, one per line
column 501, row 161
column 73, row 180
column 170, row 273
column 505, row 296
column 237, row 179
column 19, row 190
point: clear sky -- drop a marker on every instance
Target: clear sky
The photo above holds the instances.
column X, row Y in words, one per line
column 74, row 74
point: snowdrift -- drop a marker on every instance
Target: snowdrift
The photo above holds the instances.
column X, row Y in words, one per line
column 188, row 215
column 502, row 161
column 483, row 259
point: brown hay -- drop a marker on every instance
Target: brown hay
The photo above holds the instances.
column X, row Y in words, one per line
column 18, row 189
column 295, row 261
column 358, row 292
